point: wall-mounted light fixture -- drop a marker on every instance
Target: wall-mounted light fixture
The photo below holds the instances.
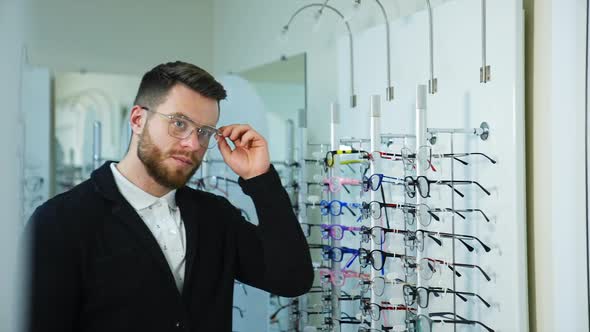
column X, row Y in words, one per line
column 485, row 74
column 322, row 7
column 389, row 89
column 432, row 82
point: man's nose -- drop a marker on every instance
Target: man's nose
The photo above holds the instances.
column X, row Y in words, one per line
column 191, row 141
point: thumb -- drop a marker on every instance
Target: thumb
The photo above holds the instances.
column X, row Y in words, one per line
column 224, row 148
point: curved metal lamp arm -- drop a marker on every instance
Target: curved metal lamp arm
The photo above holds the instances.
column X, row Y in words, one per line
column 432, row 83
column 485, row 70
column 389, row 88
column 324, row 6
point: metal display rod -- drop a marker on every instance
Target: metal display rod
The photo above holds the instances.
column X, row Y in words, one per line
column 351, row 140
column 483, row 132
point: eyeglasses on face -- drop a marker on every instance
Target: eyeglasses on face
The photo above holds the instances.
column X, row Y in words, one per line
column 181, row 127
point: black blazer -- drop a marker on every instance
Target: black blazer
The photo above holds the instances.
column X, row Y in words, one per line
column 95, row 266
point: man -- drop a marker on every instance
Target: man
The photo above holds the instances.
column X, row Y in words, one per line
column 134, row 249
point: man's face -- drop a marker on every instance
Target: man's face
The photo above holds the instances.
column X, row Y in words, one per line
column 170, row 161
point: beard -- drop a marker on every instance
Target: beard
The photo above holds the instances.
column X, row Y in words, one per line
column 153, row 158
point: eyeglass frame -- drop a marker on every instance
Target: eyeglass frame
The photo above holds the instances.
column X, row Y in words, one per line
column 325, row 205
column 435, row 290
column 448, row 183
column 452, row 266
column 196, row 126
column 367, row 182
column 367, row 285
column 366, row 309
column 366, row 257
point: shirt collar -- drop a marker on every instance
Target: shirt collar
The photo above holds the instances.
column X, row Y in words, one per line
column 137, row 197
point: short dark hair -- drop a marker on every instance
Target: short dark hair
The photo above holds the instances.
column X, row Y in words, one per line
column 156, row 83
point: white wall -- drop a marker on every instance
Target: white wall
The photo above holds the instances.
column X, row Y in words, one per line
column 12, row 14
column 119, row 36
column 251, row 29
column 557, row 212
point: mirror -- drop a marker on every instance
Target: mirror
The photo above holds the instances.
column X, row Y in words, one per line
column 91, row 117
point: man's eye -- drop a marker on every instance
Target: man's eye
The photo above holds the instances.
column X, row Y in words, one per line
column 180, row 124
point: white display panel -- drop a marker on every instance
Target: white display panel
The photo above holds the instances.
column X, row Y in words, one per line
column 461, row 102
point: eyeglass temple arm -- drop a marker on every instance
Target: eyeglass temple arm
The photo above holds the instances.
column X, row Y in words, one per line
column 435, row 216
column 448, row 184
column 479, row 297
column 470, row 237
column 439, row 242
column 448, row 290
column 482, row 154
column 477, row 210
column 459, row 237
column 349, row 209
column 472, row 182
column 453, row 269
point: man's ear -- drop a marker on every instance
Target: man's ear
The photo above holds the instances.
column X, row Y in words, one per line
column 137, row 119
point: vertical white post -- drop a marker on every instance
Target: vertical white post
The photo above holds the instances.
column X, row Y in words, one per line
column 375, row 115
column 301, row 152
column 290, row 151
column 421, row 132
column 96, row 146
column 334, row 125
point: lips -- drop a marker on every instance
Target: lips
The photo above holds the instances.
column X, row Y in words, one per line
column 184, row 160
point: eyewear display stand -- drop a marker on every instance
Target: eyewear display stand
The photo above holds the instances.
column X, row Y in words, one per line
column 300, row 153
column 375, row 118
column 421, row 130
column 335, row 266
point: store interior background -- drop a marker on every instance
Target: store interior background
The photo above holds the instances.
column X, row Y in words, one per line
column 89, row 40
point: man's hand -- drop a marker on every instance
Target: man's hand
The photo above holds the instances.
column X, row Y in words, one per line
column 250, row 157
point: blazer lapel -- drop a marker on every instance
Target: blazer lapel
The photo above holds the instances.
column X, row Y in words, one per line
column 105, row 184
column 189, row 212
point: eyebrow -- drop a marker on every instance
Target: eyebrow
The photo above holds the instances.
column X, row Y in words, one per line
column 185, row 117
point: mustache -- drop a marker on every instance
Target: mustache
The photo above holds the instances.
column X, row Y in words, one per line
column 192, row 156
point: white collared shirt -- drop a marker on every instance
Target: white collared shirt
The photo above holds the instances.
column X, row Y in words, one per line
column 162, row 217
